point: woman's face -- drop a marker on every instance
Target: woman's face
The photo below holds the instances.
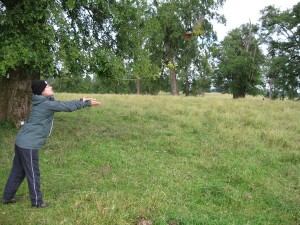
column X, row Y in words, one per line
column 47, row 91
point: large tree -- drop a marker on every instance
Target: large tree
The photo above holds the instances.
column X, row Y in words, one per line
column 25, row 39
column 281, row 32
column 39, row 38
column 239, row 62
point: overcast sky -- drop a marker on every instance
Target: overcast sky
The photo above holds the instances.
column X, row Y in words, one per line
column 238, row 12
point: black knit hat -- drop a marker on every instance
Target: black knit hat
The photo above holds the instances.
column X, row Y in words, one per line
column 38, row 86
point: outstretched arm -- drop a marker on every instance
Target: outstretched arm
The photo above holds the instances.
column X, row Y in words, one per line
column 69, row 106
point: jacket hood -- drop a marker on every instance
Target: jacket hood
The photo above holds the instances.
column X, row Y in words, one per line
column 37, row 99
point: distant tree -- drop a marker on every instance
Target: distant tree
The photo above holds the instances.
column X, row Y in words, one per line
column 133, row 28
column 178, row 20
column 239, row 62
column 281, row 33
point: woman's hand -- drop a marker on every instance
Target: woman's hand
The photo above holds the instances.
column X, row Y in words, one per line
column 94, row 102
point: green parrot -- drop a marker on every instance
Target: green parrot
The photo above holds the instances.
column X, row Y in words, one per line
column 196, row 30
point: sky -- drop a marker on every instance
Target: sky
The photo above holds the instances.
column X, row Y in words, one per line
column 238, row 12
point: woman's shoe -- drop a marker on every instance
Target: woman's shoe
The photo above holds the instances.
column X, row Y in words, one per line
column 43, row 205
column 9, row 201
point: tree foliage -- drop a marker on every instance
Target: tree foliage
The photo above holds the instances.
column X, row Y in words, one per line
column 110, row 39
column 281, row 33
column 140, row 46
column 25, row 37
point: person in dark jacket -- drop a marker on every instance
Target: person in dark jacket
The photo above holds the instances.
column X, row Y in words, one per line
column 32, row 136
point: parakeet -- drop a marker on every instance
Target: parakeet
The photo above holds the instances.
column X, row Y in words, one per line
column 170, row 64
column 196, row 30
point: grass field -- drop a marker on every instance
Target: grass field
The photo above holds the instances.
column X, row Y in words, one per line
column 166, row 160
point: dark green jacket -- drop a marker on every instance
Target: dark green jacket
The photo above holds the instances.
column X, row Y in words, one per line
column 35, row 131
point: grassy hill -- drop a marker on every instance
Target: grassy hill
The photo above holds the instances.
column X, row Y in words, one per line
column 166, row 160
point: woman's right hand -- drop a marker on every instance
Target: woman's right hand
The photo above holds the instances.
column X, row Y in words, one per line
column 94, row 102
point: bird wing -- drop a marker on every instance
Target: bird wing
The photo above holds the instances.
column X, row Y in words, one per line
column 197, row 27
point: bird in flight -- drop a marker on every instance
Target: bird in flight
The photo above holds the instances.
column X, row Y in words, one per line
column 196, row 30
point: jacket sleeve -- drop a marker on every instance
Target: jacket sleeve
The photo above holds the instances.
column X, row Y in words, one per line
column 66, row 106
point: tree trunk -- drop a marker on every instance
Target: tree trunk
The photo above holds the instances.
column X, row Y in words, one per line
column 138, row 86
column 174, row 87
column 15, row 98
column 173, row 81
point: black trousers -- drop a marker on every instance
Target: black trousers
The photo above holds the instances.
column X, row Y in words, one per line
column 25, row 163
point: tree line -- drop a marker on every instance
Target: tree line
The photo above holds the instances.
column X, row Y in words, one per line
column 130, row 46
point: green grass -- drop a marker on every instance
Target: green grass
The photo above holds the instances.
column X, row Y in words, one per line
column 168, row 160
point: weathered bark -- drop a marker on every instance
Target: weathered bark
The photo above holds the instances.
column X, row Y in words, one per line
column 15, row 98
